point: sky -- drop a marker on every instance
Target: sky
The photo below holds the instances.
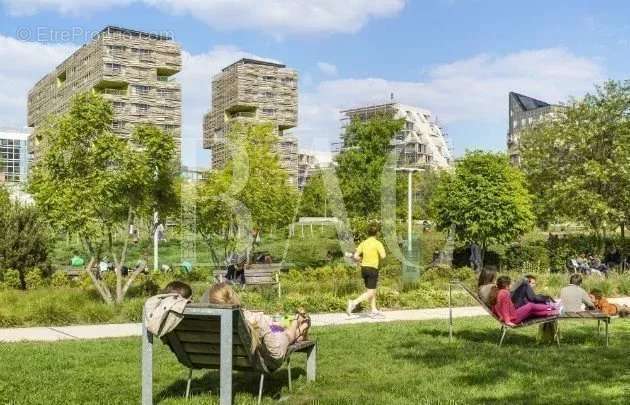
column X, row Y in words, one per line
column 457, row 58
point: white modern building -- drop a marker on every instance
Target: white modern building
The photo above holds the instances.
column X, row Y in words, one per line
column 14, row 156
column 421, row 142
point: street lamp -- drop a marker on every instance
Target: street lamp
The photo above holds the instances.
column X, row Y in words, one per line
column 410, row 171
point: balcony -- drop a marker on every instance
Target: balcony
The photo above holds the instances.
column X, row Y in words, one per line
column 114, row 92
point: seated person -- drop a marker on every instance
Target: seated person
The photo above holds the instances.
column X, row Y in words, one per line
column 268, row 337
column 236, row 269
column 573, row 297
column 487, row 280
column 178, row 287
column 597, row 265
column 505, row 310
column 523, row 292
column 602, row 304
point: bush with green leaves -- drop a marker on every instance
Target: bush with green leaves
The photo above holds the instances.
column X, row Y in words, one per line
column 11, row 278
column 60, row 279
column 34, row 278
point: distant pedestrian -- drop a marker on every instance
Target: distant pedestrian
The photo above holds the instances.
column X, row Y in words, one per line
column 476, row 263
column 370, row 252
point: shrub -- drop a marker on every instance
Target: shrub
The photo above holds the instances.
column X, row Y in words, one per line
column 60, row 279
column 12, row 278
column 52, row 313
column 34, row 279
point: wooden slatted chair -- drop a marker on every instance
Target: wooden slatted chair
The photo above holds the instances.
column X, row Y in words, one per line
column 196, row 342
column 257, row 275
column 582, row 315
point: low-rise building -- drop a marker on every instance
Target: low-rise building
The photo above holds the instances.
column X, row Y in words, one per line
column 14, row 156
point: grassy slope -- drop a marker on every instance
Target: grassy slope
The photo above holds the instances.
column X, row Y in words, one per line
column 397, row 363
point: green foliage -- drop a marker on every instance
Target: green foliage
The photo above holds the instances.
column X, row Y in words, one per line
column 34, row 278
column 92, row 183
column 578, row 164
column 11, row 278
column 360, row 165
column 314, row 199
column 60, row 279
column 251, row 192
column 23, row 240
column 485, row 199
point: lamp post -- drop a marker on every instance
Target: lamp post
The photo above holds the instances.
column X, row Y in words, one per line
column 409, row 171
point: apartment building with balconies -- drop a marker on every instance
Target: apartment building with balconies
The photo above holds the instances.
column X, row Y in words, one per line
column 253, row 91
column 421, row 143
column 134, row 70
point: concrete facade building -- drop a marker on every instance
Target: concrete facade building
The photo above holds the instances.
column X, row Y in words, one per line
column 525, row 112
column 253, row 91
column 307, row 164
column 14, row 157
column 421, row 142
column 132, row 69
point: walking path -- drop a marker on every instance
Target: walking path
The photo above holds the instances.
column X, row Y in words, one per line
column 47, row 334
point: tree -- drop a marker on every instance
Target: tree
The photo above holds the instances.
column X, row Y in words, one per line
column 314, row 201
column 485, row 198
column 23, row 240
column 578, row 164
column 251, row 193
column 93, row 183
column 360, row 165
column 4, row 197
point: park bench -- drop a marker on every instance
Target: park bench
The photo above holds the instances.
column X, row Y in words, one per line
column 257, row 275
column 217, row 337
column 582, row 315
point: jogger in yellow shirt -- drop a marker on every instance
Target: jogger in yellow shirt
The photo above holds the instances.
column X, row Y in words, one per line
column 370, row 252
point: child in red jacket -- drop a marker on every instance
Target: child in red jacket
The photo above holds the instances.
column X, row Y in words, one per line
column 502, row 306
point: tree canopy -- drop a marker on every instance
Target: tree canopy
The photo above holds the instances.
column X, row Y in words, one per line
column 578, row 163
column 485, row 198
column 91, row 182
column 251, row 192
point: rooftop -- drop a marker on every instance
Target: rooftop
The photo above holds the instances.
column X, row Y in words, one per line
column 247, row 61
column 134, row 33
column 529, row 103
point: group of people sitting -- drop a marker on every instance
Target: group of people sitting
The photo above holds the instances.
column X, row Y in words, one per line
column 515, row 303
column 271, row 335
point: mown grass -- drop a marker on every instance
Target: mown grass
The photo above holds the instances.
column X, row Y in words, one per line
column 390, row 363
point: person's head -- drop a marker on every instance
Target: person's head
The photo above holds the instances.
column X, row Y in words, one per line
column 503, row 282
column 597, row 293
column 575, row 279
column 373, row 229
column 531, row 279
column 221, row 294
column 488, row 275
column 178, row 287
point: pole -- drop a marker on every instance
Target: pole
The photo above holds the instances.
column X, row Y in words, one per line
column 155, row 241
column 409, row 179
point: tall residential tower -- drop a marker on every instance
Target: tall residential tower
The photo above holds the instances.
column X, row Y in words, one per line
column 253, row 91
column 132, row 69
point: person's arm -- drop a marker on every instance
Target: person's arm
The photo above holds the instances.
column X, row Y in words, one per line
column 533, row 297
column 358, row 252
column 586, row 300
column 381, row 251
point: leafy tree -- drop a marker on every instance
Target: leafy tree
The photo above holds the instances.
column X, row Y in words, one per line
column 360, row 165
column 578, row 164
column 93, row 183
column 314, row 200
column 485, row 198
column 251, row 193
column 4, row 197
column 23, row 240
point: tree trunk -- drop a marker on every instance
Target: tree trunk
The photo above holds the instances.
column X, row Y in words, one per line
column 623, row 244
column 120, row 292
column 100, row 287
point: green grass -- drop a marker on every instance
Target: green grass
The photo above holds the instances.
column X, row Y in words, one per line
column 390, row 363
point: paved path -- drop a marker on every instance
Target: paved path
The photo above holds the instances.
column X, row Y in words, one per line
column 48, row 334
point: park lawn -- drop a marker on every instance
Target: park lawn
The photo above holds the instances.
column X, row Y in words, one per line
column 388, row 363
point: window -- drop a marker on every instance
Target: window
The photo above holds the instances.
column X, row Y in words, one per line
column 164, row 92
column 142, row 90
column 118, row 106
column 118, row 125
column 269, row 111
column 270, row 78
column 113, row 67
column 142, row 108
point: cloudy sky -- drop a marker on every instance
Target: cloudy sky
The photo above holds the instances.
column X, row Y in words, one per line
column 458, row 58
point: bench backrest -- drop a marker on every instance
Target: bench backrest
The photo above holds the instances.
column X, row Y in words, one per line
column 257, row 273
column 196, row 342
column 479, row 300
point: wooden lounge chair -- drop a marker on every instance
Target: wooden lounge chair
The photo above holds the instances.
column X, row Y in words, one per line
column 582, row 315
column 217, row 337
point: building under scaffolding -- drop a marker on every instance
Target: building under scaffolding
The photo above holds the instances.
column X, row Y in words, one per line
column 421, row 142
column 253, row 91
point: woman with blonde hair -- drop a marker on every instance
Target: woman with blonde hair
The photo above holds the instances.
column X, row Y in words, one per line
column 269, row 337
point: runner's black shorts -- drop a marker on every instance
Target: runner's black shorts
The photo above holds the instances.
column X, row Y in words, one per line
column 370, row 277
